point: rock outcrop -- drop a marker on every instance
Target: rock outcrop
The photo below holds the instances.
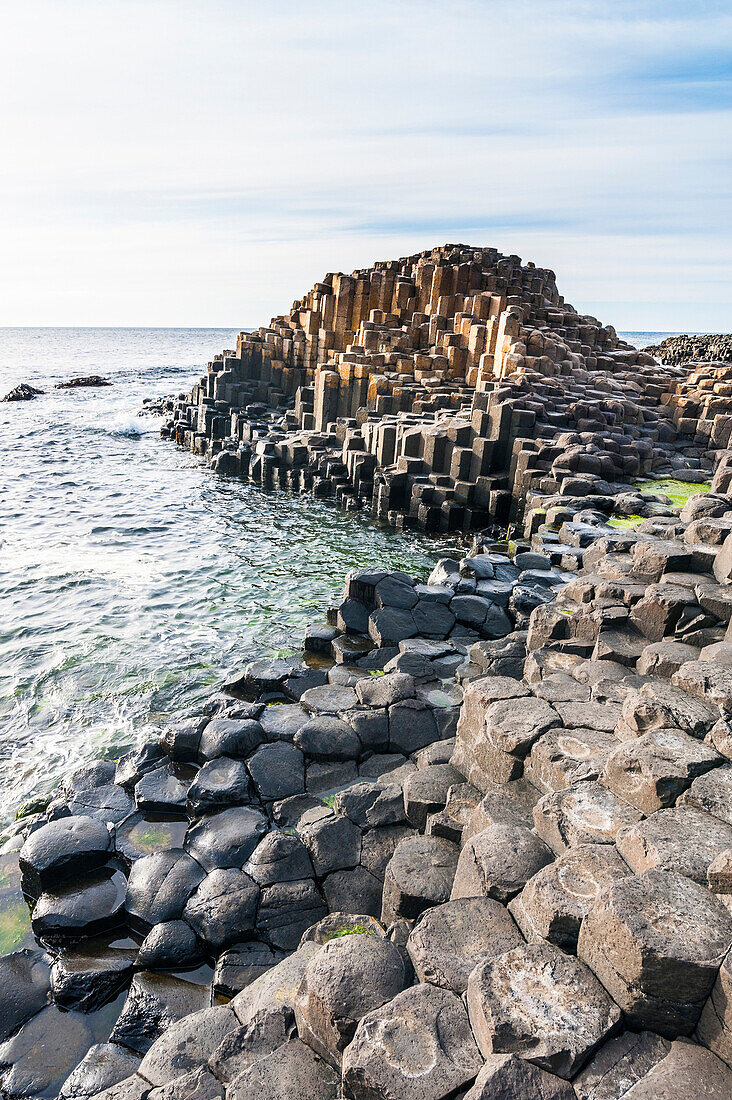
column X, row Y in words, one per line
column 693, row 349
column 477, row 841
column 439, row 390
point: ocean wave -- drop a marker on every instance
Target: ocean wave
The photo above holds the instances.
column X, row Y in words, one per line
column 129, row 426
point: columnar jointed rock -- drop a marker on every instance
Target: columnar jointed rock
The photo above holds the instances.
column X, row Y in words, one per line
column 469, row 806
column 432, row 388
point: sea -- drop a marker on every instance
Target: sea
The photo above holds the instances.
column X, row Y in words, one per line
column 131, row 576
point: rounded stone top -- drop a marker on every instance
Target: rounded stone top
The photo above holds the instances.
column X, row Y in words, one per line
column 62, row 845
column 349, row 977
column 328, row 699
column 160, row 884
column 343, row 924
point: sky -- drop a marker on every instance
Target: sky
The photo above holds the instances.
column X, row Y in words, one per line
column 205, row 162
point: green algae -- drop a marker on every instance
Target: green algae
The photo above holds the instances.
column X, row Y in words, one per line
column 624, row 522
column 14, row 926
column 350, row 930
column 675, row 489
column 152, row 839
column 329, row 800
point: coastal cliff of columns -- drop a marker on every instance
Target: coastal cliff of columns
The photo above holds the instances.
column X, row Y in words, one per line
column 475, row 840
column 438, row 391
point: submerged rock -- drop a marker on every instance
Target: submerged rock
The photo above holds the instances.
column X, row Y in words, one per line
column 85, row 380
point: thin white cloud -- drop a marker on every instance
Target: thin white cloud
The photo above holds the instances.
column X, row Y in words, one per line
column 204, row 163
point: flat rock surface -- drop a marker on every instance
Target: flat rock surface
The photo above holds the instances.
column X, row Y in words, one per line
column 450, row 940
column 498, row 862
column 543, row 1005
column 292, row 1072
column 419, row 1044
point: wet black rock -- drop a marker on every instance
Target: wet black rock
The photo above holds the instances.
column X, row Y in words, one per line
column 161, row 791
column 88, row 380
column 237, row 737
column 108, row 803
column 63, row 1037
column 63, row 847
column 286, row 910
column 281, row 857
column 224, row 907
column 241, row 964
column 277, row 771
column 89, row 976
column 154, row 1002
column 226, row 839
column 160, row 885
column 84, row 906
column 25, row 987
column 170, row 945
column 220, row 783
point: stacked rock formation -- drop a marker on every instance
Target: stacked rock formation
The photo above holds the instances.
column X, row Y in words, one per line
column 435, row 390
column 500, row 866
column 693, row 349
column 477, row 842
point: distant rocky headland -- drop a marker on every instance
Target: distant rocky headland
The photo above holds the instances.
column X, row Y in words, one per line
column 693, row 349
column 475, row 841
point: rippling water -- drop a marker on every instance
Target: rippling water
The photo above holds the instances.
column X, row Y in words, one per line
column 131, row 576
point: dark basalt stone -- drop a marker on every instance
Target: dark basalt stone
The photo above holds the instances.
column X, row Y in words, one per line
column 328, row 738
column 141, row 835
column 104, row 1065
column 281, row 857
column 281, row 721
column 187, row 1044
column 23, row 392
column 84, row 381
column 25, row 987
column 220, row 783
column 97, row 774
column 277, row 771
column 286, row 910
column 355, row 890
column 296, row 1074
column 169, row 945
column 348, row 977
column 108, row 803
column 223, row 908
column 87, row 977
column 131, row 767
column 259, row 677
column 237, row 737
column 429, row 1035
column 67, row 846
column 199, row 1084
column 241, row 964
column 182, row 740
column 226, row 839
column 83, row 907
column 161, row 791
column 62, row 1037
column 154, row 1002
column 160, row 885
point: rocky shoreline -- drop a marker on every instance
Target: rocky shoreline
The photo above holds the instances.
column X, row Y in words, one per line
column 477, row 840
column 693, row 349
